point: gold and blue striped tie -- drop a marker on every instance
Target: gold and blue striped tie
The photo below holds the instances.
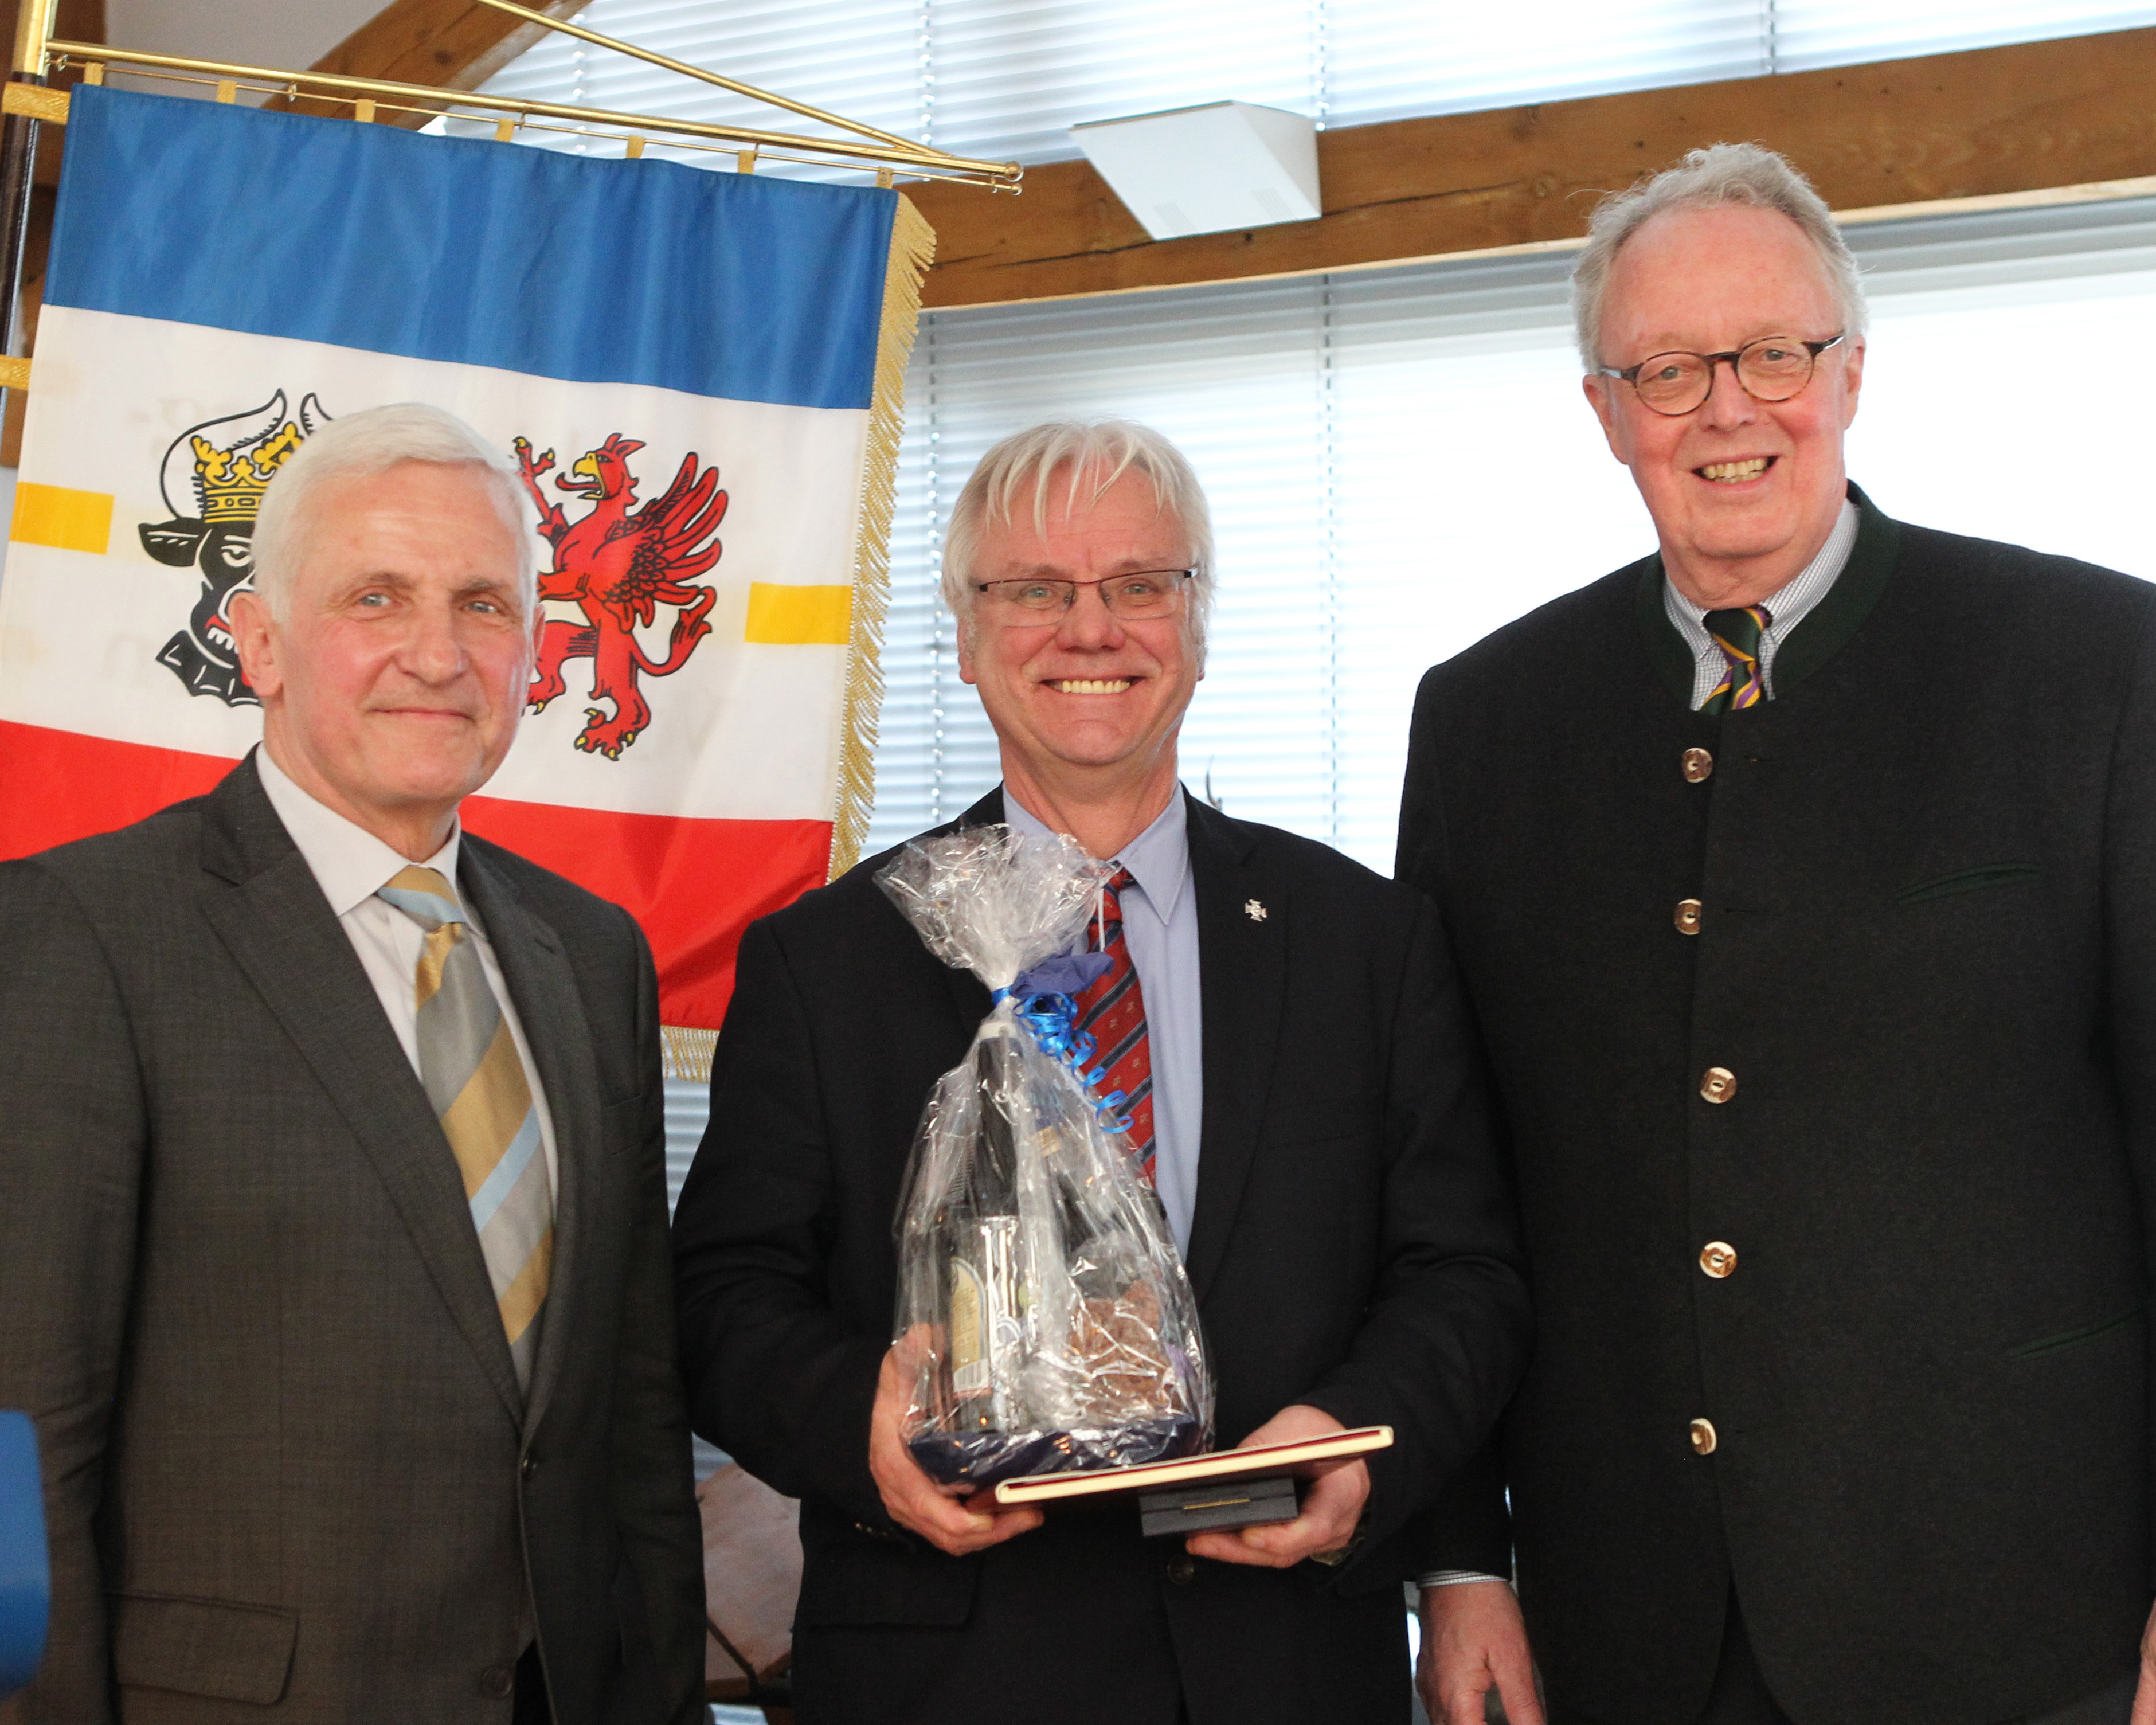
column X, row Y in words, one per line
column 1743, row 681
column 474, row 1078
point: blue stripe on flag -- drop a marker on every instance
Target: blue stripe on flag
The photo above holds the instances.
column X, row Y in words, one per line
column 721, row 284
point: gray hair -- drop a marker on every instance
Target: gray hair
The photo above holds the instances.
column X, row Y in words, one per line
column 359, row 446
column 1707, row 179
column 1100, row 452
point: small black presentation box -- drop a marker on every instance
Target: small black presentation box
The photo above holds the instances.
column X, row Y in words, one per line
column 1217, row 1503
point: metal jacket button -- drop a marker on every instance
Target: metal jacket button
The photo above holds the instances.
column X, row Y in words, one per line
column 1703, row 1439
column 1687, row 917
column 1719, row 1085
column 1718, row 1259
column 1698, row 764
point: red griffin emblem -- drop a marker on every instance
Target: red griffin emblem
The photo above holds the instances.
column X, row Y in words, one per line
column 617, row 564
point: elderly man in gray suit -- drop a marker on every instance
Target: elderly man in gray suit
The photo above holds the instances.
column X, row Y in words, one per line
column 333, row 1255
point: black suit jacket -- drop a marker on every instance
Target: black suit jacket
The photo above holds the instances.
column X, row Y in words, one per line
column 289, row 1474
column 1351, row 1248
column 1927, row 952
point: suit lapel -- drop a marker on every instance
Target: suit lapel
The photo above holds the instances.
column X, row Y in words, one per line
column 263, row 902
column 1242, row 962
column 536, row 968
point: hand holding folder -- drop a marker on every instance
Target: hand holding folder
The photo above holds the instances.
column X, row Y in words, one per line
column 1223, row 1494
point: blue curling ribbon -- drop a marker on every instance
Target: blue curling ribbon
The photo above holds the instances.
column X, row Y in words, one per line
column 1047, row 1008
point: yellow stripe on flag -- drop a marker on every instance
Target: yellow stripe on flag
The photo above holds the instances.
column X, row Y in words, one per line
column 780, row 616
column 69, row 521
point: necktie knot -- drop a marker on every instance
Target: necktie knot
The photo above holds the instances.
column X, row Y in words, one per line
column 1108, row 923
column 425, row 896
column 1738, row 633
column 1111, row 1011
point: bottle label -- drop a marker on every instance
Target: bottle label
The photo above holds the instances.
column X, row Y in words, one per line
column 969, row 1360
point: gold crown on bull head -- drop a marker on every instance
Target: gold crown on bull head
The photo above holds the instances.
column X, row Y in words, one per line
column 230, row 482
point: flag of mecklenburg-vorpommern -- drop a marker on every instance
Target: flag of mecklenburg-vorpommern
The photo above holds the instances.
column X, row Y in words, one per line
column 684, row 363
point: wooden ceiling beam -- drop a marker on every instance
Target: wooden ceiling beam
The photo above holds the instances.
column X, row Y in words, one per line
column 1981, row 123
column 452, row 44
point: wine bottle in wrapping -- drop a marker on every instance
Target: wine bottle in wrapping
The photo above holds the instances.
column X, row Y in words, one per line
column 989, row 1303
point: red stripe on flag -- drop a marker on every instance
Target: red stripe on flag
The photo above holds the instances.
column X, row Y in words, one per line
column 56, row 787
column 693, row 885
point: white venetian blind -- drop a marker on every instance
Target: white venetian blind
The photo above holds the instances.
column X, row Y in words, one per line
column 1007, row 78
column 1400, row 461
column 1807, row 33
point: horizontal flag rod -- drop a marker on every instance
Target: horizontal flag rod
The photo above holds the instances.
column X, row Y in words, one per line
column 901, row 158
column 51, row 105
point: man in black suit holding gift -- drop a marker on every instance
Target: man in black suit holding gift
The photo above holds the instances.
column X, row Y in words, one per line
column 1803, row 878
column 1302, row 1084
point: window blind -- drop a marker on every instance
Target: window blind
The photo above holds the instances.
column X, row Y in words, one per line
column 1400, row 461
column 1007, row 78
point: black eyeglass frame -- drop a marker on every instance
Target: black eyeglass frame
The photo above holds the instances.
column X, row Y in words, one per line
column 1631, row 374
column 1046, row 615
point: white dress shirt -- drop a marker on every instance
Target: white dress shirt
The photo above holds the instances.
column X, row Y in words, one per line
column 1160, row 927
column 350, row 865
column 1787, row 606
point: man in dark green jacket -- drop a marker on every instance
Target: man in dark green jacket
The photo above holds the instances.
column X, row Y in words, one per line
column 1803, row 881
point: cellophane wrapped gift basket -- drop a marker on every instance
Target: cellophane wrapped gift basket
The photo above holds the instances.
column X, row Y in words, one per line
column 1055, row 1325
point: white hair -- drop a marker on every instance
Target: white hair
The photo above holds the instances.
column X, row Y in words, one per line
column 1093, row 455
column 1719, row 174
column 359, row 446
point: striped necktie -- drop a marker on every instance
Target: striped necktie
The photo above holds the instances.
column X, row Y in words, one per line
column 474, row 1078
column 1112, row 1013
column 1743, row 681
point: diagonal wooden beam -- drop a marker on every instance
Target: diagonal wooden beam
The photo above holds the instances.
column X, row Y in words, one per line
column 1985, row 122
column 454, row 44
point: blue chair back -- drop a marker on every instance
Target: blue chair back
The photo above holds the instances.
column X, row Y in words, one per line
column 26, row 1575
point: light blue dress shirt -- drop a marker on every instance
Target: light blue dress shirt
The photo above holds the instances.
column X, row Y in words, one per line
column 1160, row 925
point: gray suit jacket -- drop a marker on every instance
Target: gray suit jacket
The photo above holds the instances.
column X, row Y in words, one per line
column 289, row 1473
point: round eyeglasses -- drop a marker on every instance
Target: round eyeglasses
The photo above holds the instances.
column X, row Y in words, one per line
column 1041, row 599
column 1773, row 368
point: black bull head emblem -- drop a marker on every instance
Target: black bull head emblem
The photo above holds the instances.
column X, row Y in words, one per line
column 221, row 467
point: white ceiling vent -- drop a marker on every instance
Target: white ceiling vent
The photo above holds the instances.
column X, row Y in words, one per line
column 1209, row 170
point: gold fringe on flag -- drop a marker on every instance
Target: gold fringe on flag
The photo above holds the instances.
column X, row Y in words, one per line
column 688, row 1052
column 912, row 250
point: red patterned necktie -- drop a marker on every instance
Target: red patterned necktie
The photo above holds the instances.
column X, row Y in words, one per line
column 1112, row 1013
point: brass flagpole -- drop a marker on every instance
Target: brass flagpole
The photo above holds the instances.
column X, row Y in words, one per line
column 567, row 27
column 900, row 156
column 19, row 162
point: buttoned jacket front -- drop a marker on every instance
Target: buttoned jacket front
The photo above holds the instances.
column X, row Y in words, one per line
column 1825, row 1033
column 290, row 1475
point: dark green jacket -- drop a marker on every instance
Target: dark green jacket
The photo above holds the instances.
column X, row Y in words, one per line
column 1927, row 953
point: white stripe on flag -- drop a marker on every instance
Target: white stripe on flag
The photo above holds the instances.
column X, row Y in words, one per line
column 746, row 730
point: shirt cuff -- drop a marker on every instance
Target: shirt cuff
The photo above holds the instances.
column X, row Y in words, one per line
column 1453, row 1578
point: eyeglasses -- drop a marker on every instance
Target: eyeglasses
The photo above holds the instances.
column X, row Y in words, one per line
column 1040, row 598
column 1773, row 368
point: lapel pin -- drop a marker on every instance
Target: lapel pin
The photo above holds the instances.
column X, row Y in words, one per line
column 1255, row 910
